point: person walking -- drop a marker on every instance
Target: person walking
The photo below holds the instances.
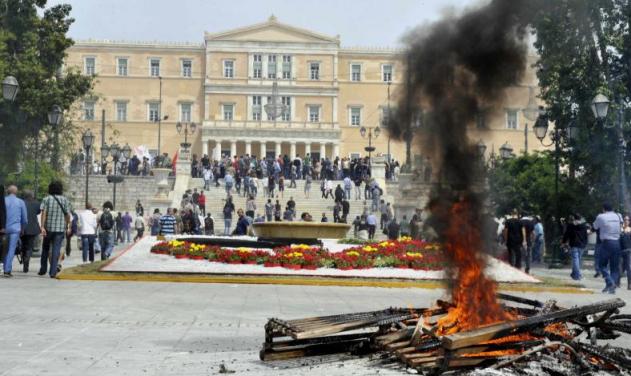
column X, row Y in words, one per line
column 514, row 237
column 358, row 188
column 348, row 186
column 87, row 232
column 168, row 223
column 250, row 207
column 308, row 182
column 139, row 225
column 346, row 208
column 201, row 202
column 154, row 222
column 56, row 222
column 126, row 221
column 32, row 230
column 209, row 225
column 609, row 224
column 228, row 209
column 575, row 237
column 269, row 210
column 537, row 244
column 393, row 229
column 625, row 243
column 119, row 228
column 16, row 221
column 405, row 226
column 74, row 230
column 277, row 211
column 106, row 227
column 140, row 211
column 242, row 224
column 371, row 220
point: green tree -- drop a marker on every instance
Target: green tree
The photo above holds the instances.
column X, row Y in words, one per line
column 32, row 48
column 584, row 48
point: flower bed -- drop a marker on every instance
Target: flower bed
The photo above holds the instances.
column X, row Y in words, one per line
column 402, row 253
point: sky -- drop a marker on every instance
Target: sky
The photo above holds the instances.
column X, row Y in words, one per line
column 377, row 23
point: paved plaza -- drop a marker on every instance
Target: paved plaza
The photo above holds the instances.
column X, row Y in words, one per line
column 56, row 327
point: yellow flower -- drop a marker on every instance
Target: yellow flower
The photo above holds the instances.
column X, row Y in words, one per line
column 384, row 244
column 369, row 249
column 176, row 243
column 405, row 239
column 414, row 254
column 301, row 246
column 243, row 249
column 352, row 253
column 294, row 254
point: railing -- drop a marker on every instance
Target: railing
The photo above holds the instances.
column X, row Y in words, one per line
column 269, row 124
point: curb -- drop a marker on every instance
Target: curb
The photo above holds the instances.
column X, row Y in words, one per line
column 154, row 277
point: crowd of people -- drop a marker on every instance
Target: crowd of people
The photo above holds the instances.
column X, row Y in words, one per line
column 523, row 237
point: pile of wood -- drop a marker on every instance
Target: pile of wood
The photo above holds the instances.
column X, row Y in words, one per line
column 410, row 337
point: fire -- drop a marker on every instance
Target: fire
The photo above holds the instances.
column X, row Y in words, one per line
column 473, row 294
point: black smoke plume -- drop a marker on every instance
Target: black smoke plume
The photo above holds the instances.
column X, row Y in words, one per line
column 455, row 69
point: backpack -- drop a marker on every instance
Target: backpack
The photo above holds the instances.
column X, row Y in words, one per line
column 106, row 221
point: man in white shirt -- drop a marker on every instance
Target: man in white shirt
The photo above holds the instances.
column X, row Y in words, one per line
column 609, row 225
column 87, row 231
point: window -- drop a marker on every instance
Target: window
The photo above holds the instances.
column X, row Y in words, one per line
column 271, row 66
column 121, row 111
column 228, row 112
column 480, row 120
column 228, row 68
column 185, row 112
column 286, row 115
column 356, row 113
column 90, row 66
column 122, row 67
column 314, row 114
column 356, row 72
column 386, row 70
column 257, row 66
column 286, row 67
column 314, row 69
column 88, row 110
column 256, row 108
column 385, row 112
column 155, row 67
column 154, row 111
column 187, row 68
column 511, row 119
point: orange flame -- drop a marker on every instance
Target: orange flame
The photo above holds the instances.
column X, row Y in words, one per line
column 473, row 294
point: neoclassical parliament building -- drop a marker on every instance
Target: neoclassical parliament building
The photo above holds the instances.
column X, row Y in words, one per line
column 223, row 85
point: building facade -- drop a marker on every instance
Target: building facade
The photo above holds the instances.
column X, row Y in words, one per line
column 223, row 85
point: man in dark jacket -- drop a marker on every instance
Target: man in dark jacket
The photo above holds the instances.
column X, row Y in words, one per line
column 339, row 193
column 393, row 229
column 575, row 237
column 514, row 237
column 32, row 229
column 242, row 224
column 346, row 208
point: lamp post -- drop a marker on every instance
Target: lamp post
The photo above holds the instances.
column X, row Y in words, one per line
column 506, row 151
column 481, row 148
column 541, row 129
column 179, row 126
column 600, row 108
column 55, row 117
column 275, row 108
column 116, row 152
column 370, row 133
column 531, row 113
column 10, row 88
column 88, row 140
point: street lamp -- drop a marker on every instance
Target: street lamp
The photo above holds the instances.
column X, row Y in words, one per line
column 185, row 126
column 531, row 112
column 600, row 107
column 116, row 152
column 370, row 133
column 88, row 140
column 506, row 151
column 275, row 108
column 55, row 117
column 481, row 148
column 10, row 88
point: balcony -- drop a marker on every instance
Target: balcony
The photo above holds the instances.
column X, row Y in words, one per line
column 279, row 124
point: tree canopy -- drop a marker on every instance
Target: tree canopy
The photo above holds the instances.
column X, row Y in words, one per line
column 33, row 42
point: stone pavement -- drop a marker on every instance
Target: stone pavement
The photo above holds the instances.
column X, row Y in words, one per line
column 53, row 327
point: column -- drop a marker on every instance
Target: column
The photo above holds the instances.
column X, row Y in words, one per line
column 277, row 150
column 292, row 150
column 233, row 148
column 322, row 150
column 217, row 150
column 263, row 149
column 307, row 148
column 248, row 147
column 336, row 150
column 204, row 147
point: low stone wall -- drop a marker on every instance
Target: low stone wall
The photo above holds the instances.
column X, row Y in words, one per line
column 133, row 188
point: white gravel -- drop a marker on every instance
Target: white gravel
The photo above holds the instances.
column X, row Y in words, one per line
column 139, row 259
